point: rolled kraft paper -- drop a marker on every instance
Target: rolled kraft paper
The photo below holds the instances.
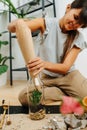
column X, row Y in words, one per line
column 26, row 45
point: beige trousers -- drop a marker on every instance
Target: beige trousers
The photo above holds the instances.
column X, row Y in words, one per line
column 73, row 84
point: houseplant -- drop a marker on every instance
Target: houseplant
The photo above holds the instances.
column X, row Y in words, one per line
column 10, row 6
column 15, row 11
column 3, row 65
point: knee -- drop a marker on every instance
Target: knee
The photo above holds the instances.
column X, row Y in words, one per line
column 23, row 98
column 15, row 24
column 21, row 24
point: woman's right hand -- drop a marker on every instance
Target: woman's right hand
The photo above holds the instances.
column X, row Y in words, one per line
column 36, row 65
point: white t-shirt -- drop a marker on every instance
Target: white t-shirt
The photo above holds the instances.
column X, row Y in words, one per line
column 51, row 44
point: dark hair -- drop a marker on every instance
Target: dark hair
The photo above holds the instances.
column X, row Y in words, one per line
column 78, row 4
column 67, row 45
column 81, row 4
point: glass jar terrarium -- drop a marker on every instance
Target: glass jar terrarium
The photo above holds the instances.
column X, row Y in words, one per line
column 35, row 89
column 35, row 97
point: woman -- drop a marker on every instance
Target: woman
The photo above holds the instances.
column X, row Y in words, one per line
column 61, row 42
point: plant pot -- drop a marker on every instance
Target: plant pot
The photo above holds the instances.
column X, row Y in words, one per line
column 3, row 79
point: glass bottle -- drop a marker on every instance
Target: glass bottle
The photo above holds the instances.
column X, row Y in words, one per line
column 35, row 88
column 36, row 98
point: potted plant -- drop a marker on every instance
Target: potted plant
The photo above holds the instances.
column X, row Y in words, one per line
column 19, row 12
column 3, row 65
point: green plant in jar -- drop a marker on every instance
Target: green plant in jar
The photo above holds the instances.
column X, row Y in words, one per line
column 35, row 97
column 36, row 109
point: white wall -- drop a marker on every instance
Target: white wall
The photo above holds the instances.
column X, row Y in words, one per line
column 61, row 7
column 81, row 62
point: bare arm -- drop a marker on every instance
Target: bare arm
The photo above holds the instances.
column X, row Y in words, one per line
column 61, row 68
column 34, row 24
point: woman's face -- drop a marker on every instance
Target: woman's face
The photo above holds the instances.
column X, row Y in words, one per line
column 70, row 20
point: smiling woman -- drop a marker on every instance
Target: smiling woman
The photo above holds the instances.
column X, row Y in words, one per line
column 60, row 44
column 71, row 21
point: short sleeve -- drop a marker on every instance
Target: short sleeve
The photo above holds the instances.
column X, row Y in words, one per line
column 50, row 23
column 80, row 41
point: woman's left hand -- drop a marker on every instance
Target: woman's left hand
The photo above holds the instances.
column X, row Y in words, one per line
column 36, row 65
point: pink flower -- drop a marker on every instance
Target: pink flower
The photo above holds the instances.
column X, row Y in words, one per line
column 71, row 105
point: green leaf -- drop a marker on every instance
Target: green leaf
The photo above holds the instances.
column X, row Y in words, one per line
column 35, row 97
column 3, row 59
column 3, row 69
column 3, row 43
column 11, row 6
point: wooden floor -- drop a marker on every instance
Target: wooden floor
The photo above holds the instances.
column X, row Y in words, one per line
column 10, row 93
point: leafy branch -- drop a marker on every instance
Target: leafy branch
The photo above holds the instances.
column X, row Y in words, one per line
column 11, row 7
column 3, row 59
